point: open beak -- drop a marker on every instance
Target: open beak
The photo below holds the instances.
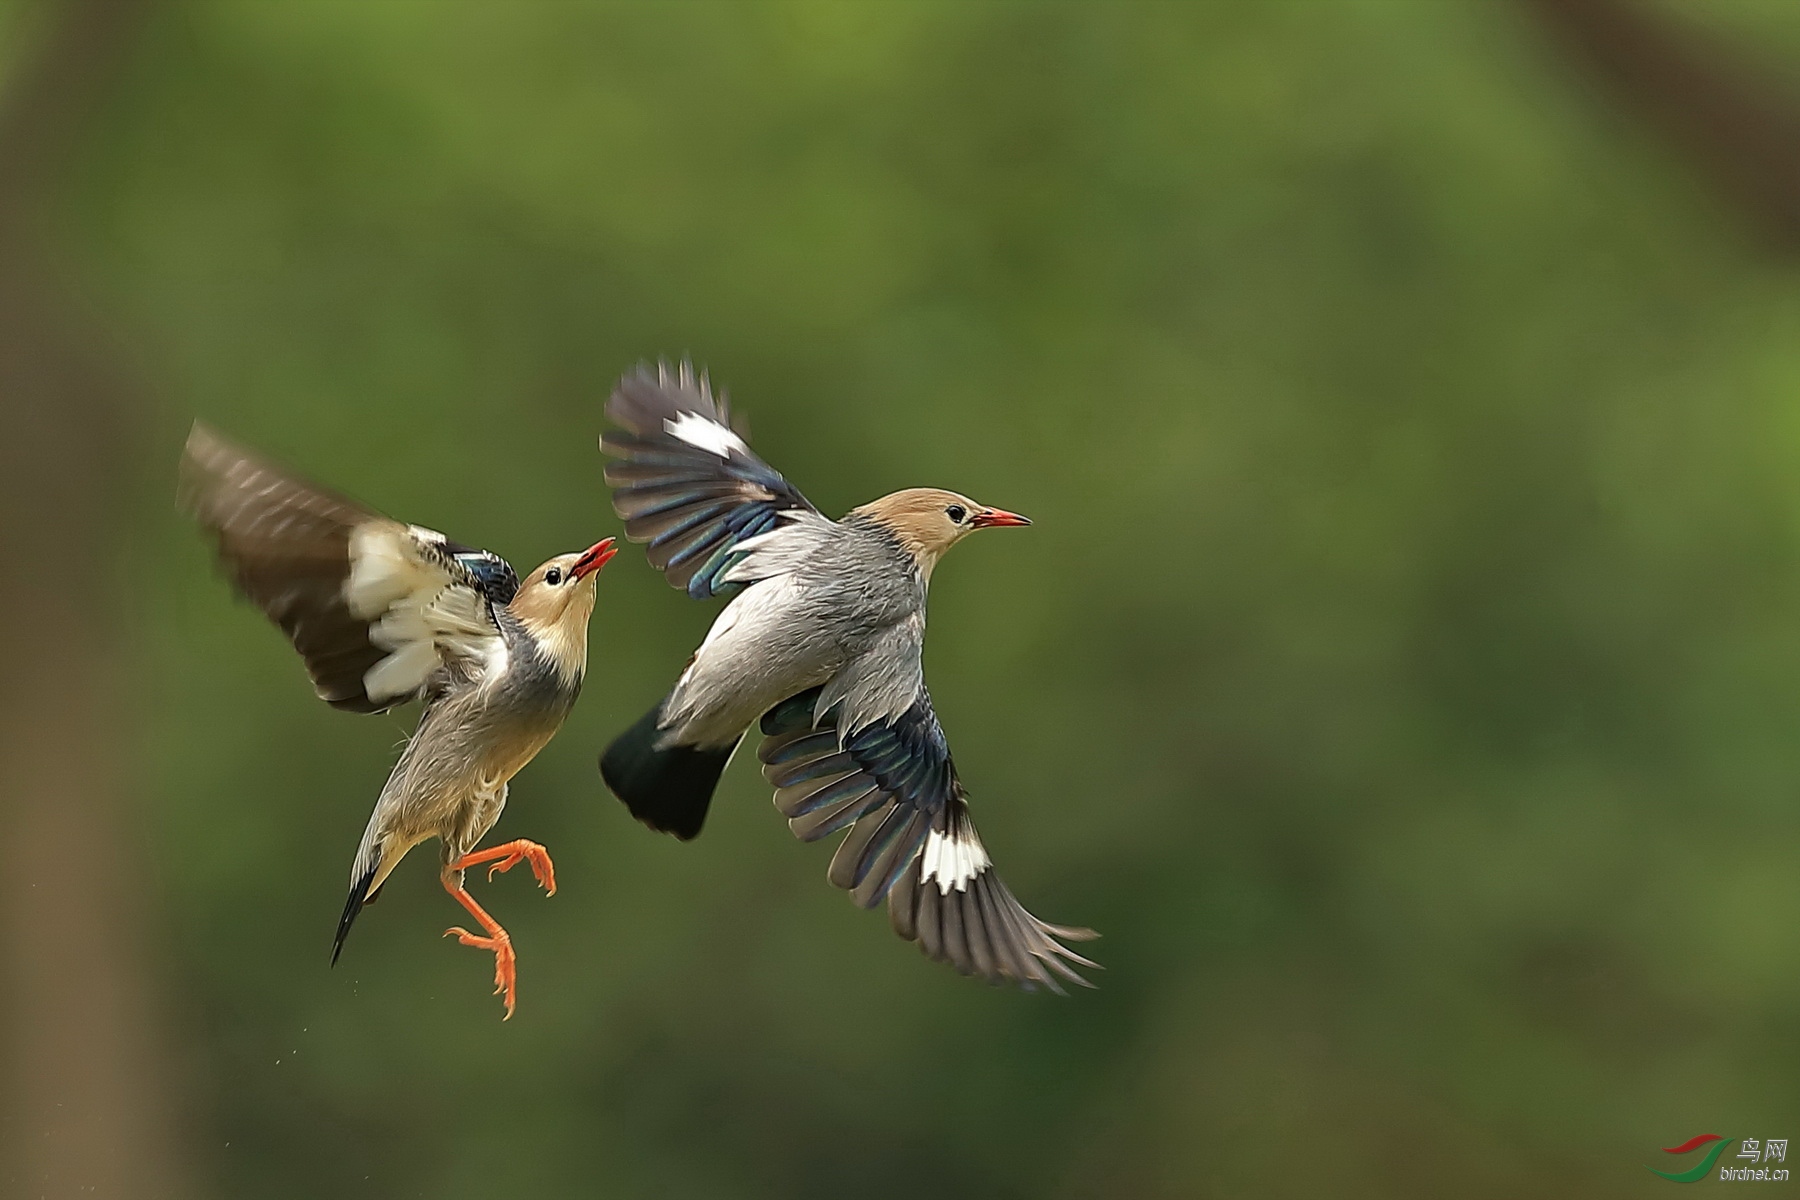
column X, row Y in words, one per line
column 593, row 558
column 995, row 518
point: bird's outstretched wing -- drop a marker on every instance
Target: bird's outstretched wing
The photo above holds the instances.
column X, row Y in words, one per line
column 373, row 606
column 894, row 786
column 687, row 484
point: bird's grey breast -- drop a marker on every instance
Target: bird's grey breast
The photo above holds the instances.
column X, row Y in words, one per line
column 878, row 594
column 532, row 689
column 489, row 725
column 864, row 579
column 854, row 582
column 821, row 595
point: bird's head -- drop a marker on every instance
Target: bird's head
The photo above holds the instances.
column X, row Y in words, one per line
column 928, row 521
column 555, row 601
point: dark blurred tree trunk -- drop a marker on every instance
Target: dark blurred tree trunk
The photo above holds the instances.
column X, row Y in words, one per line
column 1727, row 114
column 89, row 1106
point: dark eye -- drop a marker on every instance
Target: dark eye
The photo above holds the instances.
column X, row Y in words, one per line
column 956, row 512
column 553, row 576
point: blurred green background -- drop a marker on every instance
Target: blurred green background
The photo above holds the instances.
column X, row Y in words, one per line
column 1403, row 671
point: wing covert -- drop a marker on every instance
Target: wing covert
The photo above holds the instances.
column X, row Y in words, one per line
column 894, row 786
column 687, row 484
column 373, row 606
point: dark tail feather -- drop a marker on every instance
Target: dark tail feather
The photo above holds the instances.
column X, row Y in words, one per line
column 352, row 906
column 667, row 788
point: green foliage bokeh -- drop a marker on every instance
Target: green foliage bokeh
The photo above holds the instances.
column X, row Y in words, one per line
column 1403, row 671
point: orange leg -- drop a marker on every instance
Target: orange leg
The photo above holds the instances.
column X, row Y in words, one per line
column 506, row 981
column 506, row 978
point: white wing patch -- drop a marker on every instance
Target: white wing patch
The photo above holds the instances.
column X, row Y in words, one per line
column 383, row 569
column 954, row 860
column 415, row 612
column 401, row 673
column 705, row 434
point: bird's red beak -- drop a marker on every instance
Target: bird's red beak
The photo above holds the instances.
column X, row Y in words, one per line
column 593, row 558
column 995, row 518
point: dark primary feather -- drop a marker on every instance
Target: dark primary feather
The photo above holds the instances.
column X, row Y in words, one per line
column 285, row 543
column 892, row 785
column 691, row 505
column 286, row 546
column 353, row 907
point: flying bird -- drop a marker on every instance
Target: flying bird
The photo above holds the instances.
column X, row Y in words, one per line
column 384, row 613
column 822, row 644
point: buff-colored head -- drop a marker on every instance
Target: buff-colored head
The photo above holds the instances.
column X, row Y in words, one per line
column 555, row 601
column 928, row 521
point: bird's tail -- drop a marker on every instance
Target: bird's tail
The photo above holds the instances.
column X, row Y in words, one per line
column 668, row 788
column 359, row 896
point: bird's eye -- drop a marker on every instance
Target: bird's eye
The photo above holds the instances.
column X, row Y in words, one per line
column 553, row 576
column 956, row 513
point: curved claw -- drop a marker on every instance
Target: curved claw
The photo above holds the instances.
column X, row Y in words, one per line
column 506, row 962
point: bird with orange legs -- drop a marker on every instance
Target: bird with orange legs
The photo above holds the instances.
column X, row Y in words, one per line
column 384, row 613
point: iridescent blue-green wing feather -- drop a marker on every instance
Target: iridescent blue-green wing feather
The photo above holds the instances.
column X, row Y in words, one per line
column 484, row 570
column 894, row 786
column 688, row 485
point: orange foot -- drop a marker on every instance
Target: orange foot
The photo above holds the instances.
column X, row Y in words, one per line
column 506, row 978
column 506, row 963
column 509, row 855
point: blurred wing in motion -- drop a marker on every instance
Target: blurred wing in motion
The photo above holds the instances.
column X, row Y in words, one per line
column 894, row 786
column 373, row 606
column 687, row 484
